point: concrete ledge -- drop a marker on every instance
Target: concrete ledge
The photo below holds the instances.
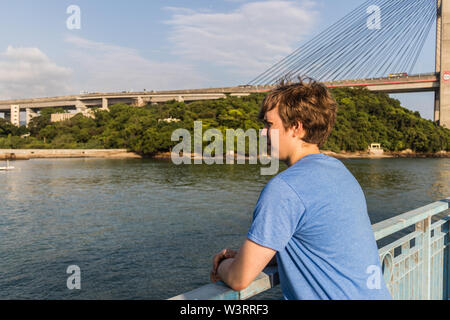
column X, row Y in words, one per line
column 220, row 291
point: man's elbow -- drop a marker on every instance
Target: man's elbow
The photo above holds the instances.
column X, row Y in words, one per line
column 239, row 285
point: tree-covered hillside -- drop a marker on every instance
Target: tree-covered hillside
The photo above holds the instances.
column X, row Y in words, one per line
column 363, row 117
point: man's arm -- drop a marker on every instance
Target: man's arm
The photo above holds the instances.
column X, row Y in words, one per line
column 240, row 271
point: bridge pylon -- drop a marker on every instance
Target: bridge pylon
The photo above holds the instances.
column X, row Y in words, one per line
column 442, row 96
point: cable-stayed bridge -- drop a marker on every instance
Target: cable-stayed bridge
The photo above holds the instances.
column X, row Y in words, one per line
column 377, row 45
column 377, row 39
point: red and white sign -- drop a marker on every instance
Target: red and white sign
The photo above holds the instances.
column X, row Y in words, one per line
column 446, row 76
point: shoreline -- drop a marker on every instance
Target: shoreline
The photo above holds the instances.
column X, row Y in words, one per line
column 354, row 155
column 386, row 155
column 27, row 154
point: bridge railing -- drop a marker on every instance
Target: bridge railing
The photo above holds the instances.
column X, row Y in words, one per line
column 415, row 259
column 415, row 76
column 416, row 266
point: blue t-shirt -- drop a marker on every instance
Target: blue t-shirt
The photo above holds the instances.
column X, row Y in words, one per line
column 314, row 214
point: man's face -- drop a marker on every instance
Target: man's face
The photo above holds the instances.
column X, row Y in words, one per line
column 286, row 139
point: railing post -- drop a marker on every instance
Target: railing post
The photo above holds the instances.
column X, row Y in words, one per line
column 424, row 226
column 446, row 293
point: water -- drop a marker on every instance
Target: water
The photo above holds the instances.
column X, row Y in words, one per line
column 147, row 229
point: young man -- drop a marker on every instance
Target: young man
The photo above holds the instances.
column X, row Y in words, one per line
column 311, row 218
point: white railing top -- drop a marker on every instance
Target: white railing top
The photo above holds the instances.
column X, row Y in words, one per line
column 387, row 227
column 220, row 291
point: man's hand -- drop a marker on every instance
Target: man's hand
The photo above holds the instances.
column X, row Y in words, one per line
column 222, row 255
column 239, row 269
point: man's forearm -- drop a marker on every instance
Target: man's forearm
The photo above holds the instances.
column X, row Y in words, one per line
column 226, row 274
column 239, row 272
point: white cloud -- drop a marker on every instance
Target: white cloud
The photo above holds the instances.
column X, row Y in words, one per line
column 106, row 67
column 96, row 66
column 28, row 72
column 249, row 39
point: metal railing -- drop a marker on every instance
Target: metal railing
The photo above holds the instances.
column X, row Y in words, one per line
column 415, row 266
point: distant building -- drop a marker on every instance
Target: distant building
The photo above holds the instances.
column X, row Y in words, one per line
column 375, row 148
column 58, row 117
column 15, row 115
column 169, row 120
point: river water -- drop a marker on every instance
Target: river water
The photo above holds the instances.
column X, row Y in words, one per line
column 147, row 229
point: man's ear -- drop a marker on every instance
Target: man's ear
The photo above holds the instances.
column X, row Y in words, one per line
column 298, row 130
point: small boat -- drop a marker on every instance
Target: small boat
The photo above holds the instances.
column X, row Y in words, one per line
column 8, row 167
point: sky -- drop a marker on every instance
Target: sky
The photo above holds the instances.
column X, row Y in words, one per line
column 161, row 44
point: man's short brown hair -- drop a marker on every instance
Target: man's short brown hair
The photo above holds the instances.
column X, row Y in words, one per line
column 308, row 102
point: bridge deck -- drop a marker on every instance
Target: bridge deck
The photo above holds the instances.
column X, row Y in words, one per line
column 413, row 83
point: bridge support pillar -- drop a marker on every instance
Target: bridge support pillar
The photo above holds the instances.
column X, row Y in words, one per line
column 81, row 107
column 105, row 104
column 437, row 106
column 15, row 115
column 139, row 102
column 444, row 95
column 30, row 115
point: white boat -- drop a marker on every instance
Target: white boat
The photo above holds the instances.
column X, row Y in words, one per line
column 8, row 167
